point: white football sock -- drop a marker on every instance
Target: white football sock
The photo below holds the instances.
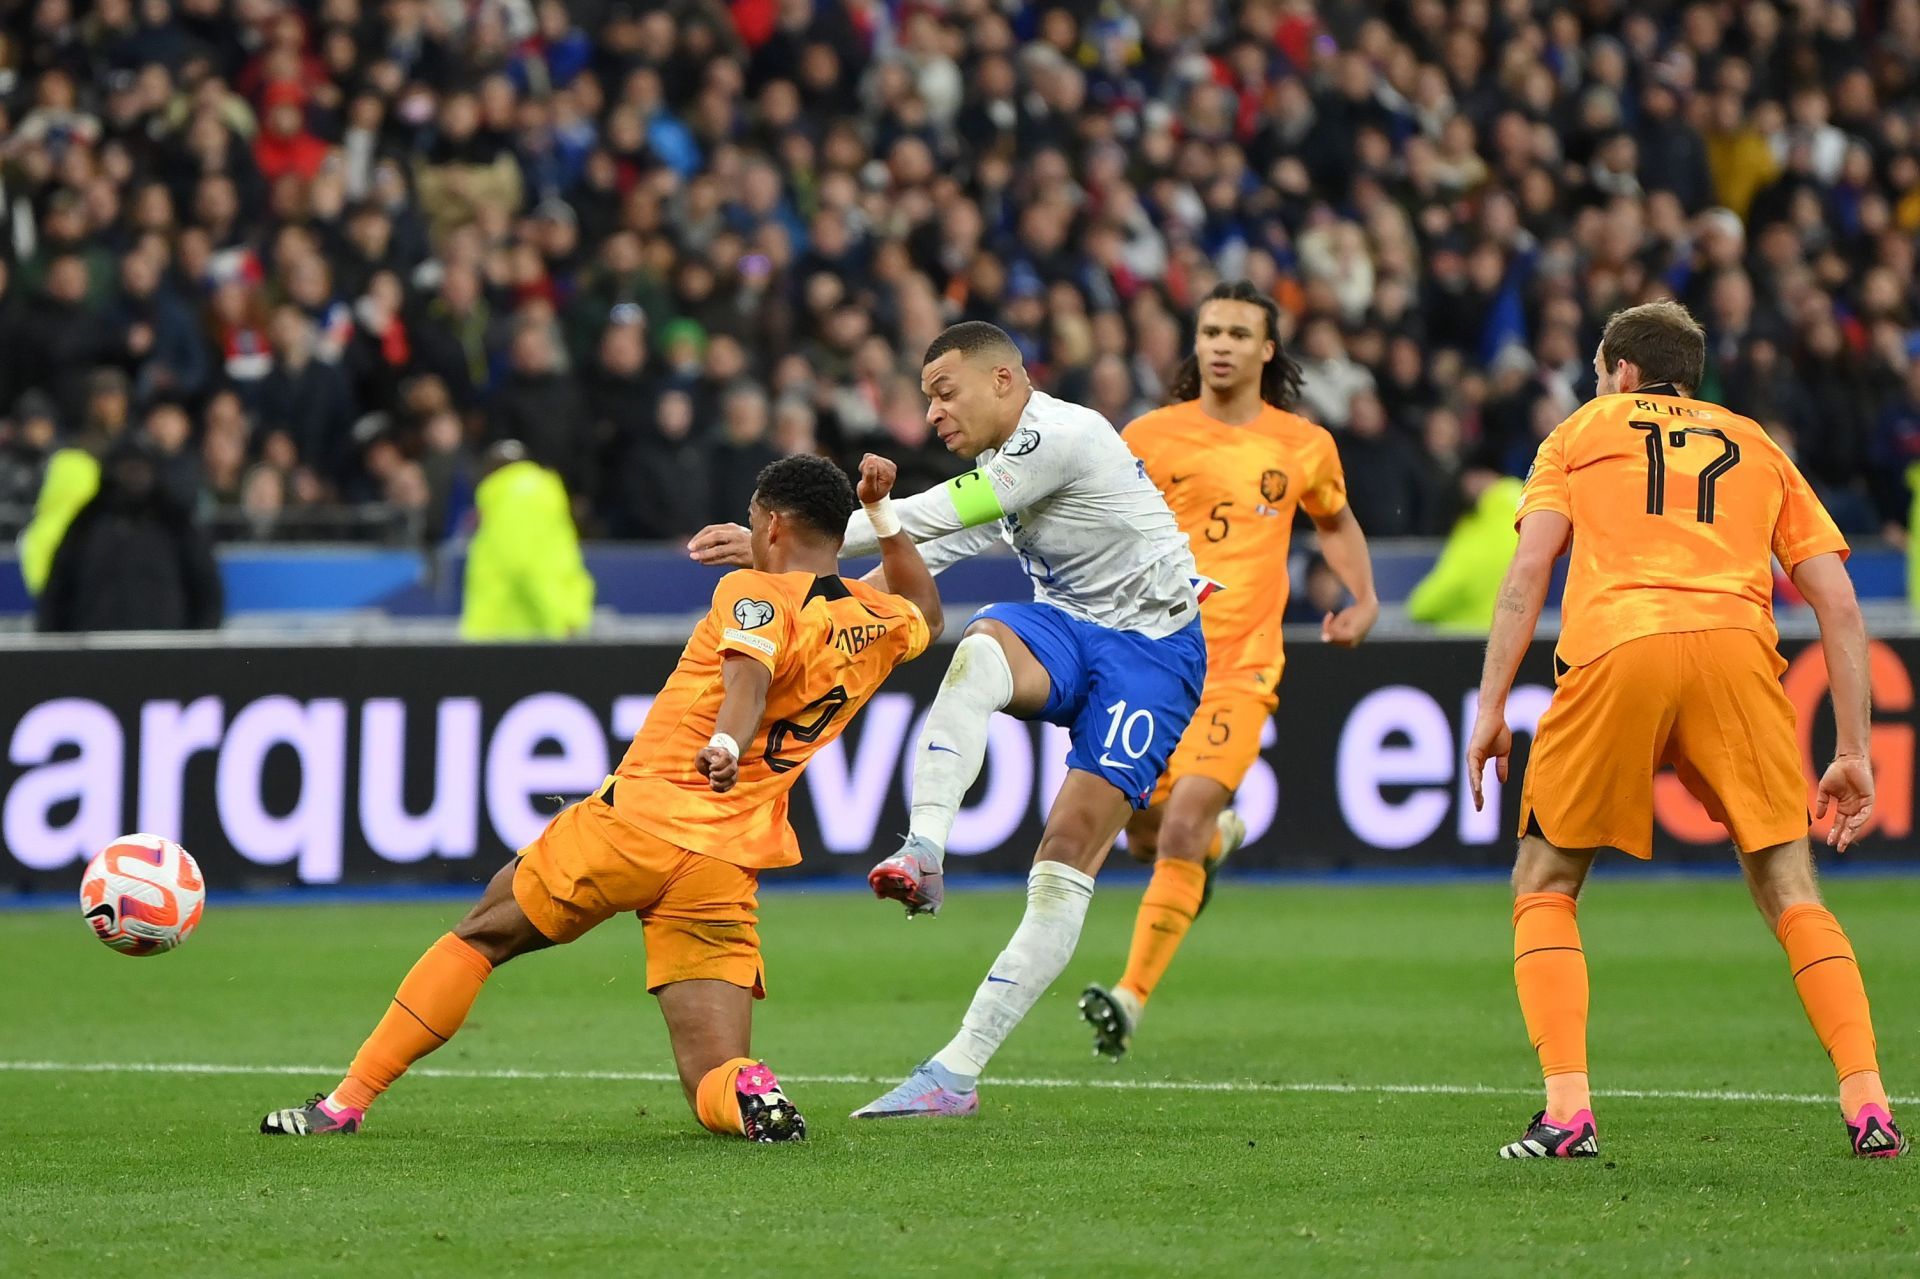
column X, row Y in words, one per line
column 1057, row 899
column 954, row 742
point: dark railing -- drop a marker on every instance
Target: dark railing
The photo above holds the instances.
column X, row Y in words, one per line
column 367, row 523
column 370, row 522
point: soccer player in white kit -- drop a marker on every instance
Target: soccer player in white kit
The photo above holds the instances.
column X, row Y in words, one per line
column 1111, row 648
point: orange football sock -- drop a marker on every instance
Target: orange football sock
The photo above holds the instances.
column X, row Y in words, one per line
column 1828, row 978
column 426, row 1011
column 1550, row 972
column 714, row 1101
column 1166, row 913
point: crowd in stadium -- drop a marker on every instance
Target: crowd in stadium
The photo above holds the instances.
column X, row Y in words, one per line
column 322, row 253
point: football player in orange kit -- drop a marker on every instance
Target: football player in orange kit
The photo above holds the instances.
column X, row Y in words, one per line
column 1233, row 463
column 1667, row 655
column 787, row 655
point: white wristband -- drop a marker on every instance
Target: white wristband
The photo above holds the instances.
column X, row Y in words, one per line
column 885, row 522
column 724, row 742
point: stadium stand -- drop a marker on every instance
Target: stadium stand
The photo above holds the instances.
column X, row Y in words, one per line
column 664, row 243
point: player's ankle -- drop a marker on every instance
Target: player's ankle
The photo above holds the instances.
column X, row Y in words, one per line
column 931, row 831
column 339, row 1109
column 1862, row 1088
column 352, row 1094
column 1567, row 1095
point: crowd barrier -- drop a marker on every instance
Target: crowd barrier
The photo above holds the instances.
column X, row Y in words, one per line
column 415, row 764
column 652, row 580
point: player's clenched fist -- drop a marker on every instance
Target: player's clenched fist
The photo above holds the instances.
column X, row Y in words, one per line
column 877, row 475
column 727, row 545
column 719, row 767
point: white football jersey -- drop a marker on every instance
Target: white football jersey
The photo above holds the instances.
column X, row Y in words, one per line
column 1076, row 506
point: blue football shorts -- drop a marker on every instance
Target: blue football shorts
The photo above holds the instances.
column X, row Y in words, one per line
column 1125, row 699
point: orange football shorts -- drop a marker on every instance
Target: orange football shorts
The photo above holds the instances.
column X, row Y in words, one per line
column 1223, row 739
column 1709, row 703
column 697, row 913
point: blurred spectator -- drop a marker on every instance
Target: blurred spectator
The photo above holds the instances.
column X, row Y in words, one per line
column 1460, row 591
column 27, row 438
column 467, row 169
column 1386, row 483
column 285, row 147
column 64, row 339
column 167, row 433
column 1329, row 378
column 303, row 398
column 740, row 454
column 167, row 352
column 665, row 481
column 524, row 578
column 543, row 409
column 1894, row 450
column 455, row 331
column 1321, row 593
column 132, row 560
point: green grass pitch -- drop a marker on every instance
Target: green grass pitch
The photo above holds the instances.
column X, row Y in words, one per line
column 1075, row 1167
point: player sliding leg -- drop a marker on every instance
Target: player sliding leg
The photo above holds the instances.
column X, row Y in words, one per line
column 709, row 1023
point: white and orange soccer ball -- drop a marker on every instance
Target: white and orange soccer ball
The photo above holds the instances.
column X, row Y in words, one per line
column 142, row 894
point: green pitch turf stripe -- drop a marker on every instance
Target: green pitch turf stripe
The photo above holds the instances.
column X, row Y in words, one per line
column 1119, row 1085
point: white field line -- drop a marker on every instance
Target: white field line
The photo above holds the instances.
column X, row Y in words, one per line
column 1117, row 1085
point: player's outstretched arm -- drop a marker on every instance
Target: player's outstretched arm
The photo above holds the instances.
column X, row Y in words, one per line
column 742, row 706
column 1847, row 785
column 902, row 571
column 1543, row 535
column 723, row 546
column 1344, row 544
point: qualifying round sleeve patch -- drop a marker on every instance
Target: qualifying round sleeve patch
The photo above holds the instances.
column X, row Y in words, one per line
column 751, row 613
column 1024, row 441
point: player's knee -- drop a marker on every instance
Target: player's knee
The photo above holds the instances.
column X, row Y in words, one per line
column 1185, row 838
column 1075, row 843
column 1542, row 868
column 1779, row 880
column 500, row 934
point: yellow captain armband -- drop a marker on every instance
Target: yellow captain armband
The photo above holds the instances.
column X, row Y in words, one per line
column 974, row 500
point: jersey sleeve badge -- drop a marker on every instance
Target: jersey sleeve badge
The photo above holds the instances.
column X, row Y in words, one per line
column 751, row 614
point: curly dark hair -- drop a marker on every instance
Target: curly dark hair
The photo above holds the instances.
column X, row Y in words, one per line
column 1279, row 377
column 810, row 489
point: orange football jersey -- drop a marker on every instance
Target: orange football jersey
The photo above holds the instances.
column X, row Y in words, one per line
column 1678, row 508
column 1233, row 490
column 829, row 643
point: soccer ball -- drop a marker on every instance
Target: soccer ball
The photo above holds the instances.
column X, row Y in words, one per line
column 142, row 894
